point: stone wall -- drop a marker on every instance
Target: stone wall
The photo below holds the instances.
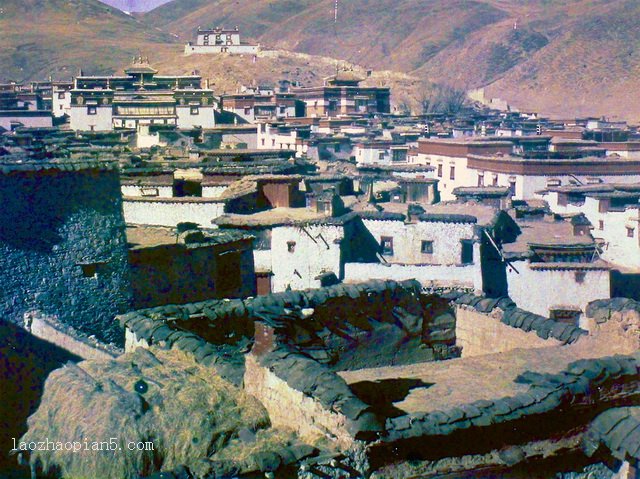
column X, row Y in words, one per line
column 63, row 248
column 482, row 333
column 291, row 408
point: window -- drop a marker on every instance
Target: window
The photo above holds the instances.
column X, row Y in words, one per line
column 61, row 107
column 247, row 110
column 61, row 96
column 90, row 270
column 381, row 155
column 567, row 316
column 262, row 141
column 92, row 110
column 205, row 40
column 291, row 246
column 600, row 225
column 440, row 170
column 336, row 147
column 283, row 110
column 512, row 187
column 495, row 180
column 386, row 245
column 452, row 173
column 149, row 192
column 630, row 232
column 580, row 276
column 466, row 256
column 426, row 247
column 195, row 110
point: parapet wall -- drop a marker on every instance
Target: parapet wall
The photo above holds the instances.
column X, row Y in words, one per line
column 483, row 333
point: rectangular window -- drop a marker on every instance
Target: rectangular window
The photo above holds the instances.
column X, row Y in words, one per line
column 386, row 245
column 466, row 257
column 92, row 110
column 495, row 180
column 262, row 141
column 440, row 170
column 195, row 110
column 381, row 155
column 600, row 225
column 512, row 188
column 630, row 232
column 480, row 180
column 426, row 247
column 291, row 246
column 247, row 110
column 336, row 147
column 91, row 270
column 452, row 173
column 60, row 96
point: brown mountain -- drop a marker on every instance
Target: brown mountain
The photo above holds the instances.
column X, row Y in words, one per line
column 563, row 57
column 57, row 37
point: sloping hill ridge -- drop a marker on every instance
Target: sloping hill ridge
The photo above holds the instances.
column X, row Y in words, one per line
column 58, row 37
column 561, row 57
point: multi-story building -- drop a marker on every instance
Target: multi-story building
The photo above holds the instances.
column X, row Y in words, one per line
column 140, row 97
column 220, row 40
column 253, row 107
column 342, row 94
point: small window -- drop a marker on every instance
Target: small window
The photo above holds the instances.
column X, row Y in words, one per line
column 580, row 276
column 381, row 155
column 440, row 170
column 630, row 232
column 386, row 245
column 466, row 256
column 149, row 192
column 495, row 180
column 262, row 141
column 90, row 270
column 195, row 110
column 426, row 247
column 291, row 246
column 247, row 110
column 60, row 96
column 92, row 110
column 480, row 180
column 336, row 147
column 512, row 187
column 600, row 225
column 452, row 173
column 283, row 110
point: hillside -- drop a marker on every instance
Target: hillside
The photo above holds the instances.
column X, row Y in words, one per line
column 565, row 57
column 57, row 37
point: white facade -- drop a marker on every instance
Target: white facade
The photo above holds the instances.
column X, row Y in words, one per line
column 220, row 41
column 380, row 154
column 170, row 212
column 61, row 101
column 469, row 276
column 617, row 230
column 269, row 138
column 540, row 290
column 91, row 117
column 191, row 116
column 295, row 259
column 451, row 171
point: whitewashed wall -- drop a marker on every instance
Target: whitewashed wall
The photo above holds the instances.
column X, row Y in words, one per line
column 170, row 213
column 539, row 291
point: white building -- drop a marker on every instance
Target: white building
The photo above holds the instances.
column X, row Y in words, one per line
column 61, row 98
column 139, row 98
column 220, row 40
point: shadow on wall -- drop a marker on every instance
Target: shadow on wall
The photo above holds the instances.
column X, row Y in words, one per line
column 36, row 206
column 25, row 363
column 625, row 285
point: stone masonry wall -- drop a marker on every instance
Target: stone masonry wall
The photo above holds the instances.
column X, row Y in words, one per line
column 63, row 249
column 482, row 333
